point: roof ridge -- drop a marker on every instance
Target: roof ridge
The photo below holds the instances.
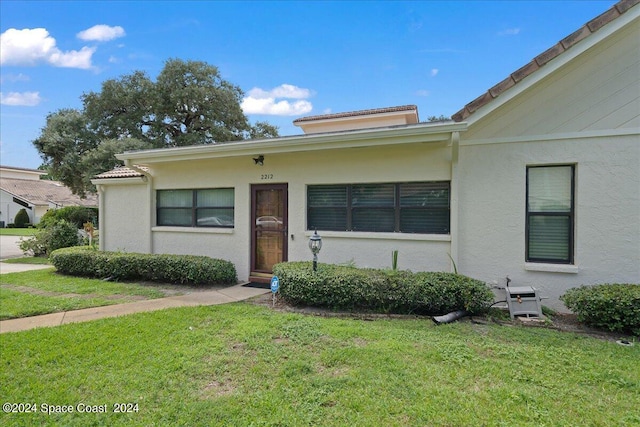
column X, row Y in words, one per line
column 542, row 59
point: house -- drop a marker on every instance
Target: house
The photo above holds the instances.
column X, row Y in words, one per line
column 22, row 188
column 537, row 180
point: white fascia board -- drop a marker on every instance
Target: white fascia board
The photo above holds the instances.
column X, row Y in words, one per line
column 418, row 133
column 557, row 63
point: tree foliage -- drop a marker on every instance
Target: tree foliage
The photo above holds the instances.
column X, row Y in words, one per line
column 188, row 104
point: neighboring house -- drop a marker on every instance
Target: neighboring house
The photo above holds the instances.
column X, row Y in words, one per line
column 22, row 188
column 538, row 180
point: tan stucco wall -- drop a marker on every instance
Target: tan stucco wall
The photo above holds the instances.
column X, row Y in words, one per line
column 414, row 162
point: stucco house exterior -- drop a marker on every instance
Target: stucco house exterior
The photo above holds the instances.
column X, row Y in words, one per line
column 22, row 188
column 538, row 180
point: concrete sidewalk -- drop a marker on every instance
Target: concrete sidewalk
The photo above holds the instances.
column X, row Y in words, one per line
column 7, row 267
column 213, row 297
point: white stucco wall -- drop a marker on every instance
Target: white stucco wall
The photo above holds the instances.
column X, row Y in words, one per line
column 607, row 212
column 9, row 209
column 124, row 218
column 586, row 113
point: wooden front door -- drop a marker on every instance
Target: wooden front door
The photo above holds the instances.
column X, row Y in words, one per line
column 268, row 227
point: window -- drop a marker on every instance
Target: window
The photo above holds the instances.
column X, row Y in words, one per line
column 550, row 214
column 416, row 207
column 196, row 208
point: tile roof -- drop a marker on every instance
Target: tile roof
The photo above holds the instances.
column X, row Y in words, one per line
column 539, row 61
column 121, row 172
column 357, row 113
column 23, row 169
column 43, row 192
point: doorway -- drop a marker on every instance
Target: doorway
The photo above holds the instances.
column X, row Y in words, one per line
column 269, row 227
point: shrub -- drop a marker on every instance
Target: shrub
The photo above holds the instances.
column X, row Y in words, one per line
column 186, row 269
column 22, row 219
column 60, row 235
column 612, row 306
column 344, row 287
column 77, row 215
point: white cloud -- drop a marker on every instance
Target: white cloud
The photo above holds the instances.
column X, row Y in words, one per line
column 31, row 46
column 23, row 99
column 423, row 92
column 13, row 78
column 260, row 101
column 509, row 32
column 434, row 72
column 101, row 33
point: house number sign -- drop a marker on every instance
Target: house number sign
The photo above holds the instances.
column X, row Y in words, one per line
column 266, row 176
column 275, row 285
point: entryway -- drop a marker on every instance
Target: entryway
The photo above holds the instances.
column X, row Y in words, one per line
column 269, row 227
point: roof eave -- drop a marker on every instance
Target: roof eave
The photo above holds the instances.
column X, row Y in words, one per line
column 538, row 69
column 418, row 133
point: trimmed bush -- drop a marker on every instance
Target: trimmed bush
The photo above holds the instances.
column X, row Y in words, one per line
column 22, row 219
column 185, row 269
column 611, row 306
column 77, row 215
column 63, row 234
column 344, row 287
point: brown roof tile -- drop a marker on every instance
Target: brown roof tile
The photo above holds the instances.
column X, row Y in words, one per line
column 600, row 21
column 575, row 37
column 549, row 54
column 121, row 172
column 624, row 5
column 525, row 71
column 542, row 59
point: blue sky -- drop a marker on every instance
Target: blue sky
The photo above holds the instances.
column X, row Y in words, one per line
column 291, row 59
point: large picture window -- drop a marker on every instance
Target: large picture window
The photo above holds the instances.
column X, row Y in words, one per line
column 196, row 208
column 550, row 214
column 415, row 207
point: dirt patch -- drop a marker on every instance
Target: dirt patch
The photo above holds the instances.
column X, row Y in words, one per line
column 562, row 322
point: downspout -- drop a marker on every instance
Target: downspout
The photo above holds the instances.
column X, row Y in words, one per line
column 101, row 196
column 455, row 146
column 148, row 178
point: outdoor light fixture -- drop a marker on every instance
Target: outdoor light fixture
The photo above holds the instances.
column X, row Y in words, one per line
column 315, row 244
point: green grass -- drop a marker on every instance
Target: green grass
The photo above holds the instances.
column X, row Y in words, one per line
column 28, row 260
column 50, row 292
column 241, row 364
column 17, row 231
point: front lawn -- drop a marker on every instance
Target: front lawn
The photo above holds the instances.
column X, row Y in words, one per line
column 44, row 291
column 18, row 231
column 28, row 260
column 242, row 364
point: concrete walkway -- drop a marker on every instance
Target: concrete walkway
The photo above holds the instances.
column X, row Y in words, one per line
column 213, row 297
column 7, row 267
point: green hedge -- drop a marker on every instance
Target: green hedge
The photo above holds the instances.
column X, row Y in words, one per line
column 77, row 215
column 185, row 269
column 612, row 306
column 344, row 287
